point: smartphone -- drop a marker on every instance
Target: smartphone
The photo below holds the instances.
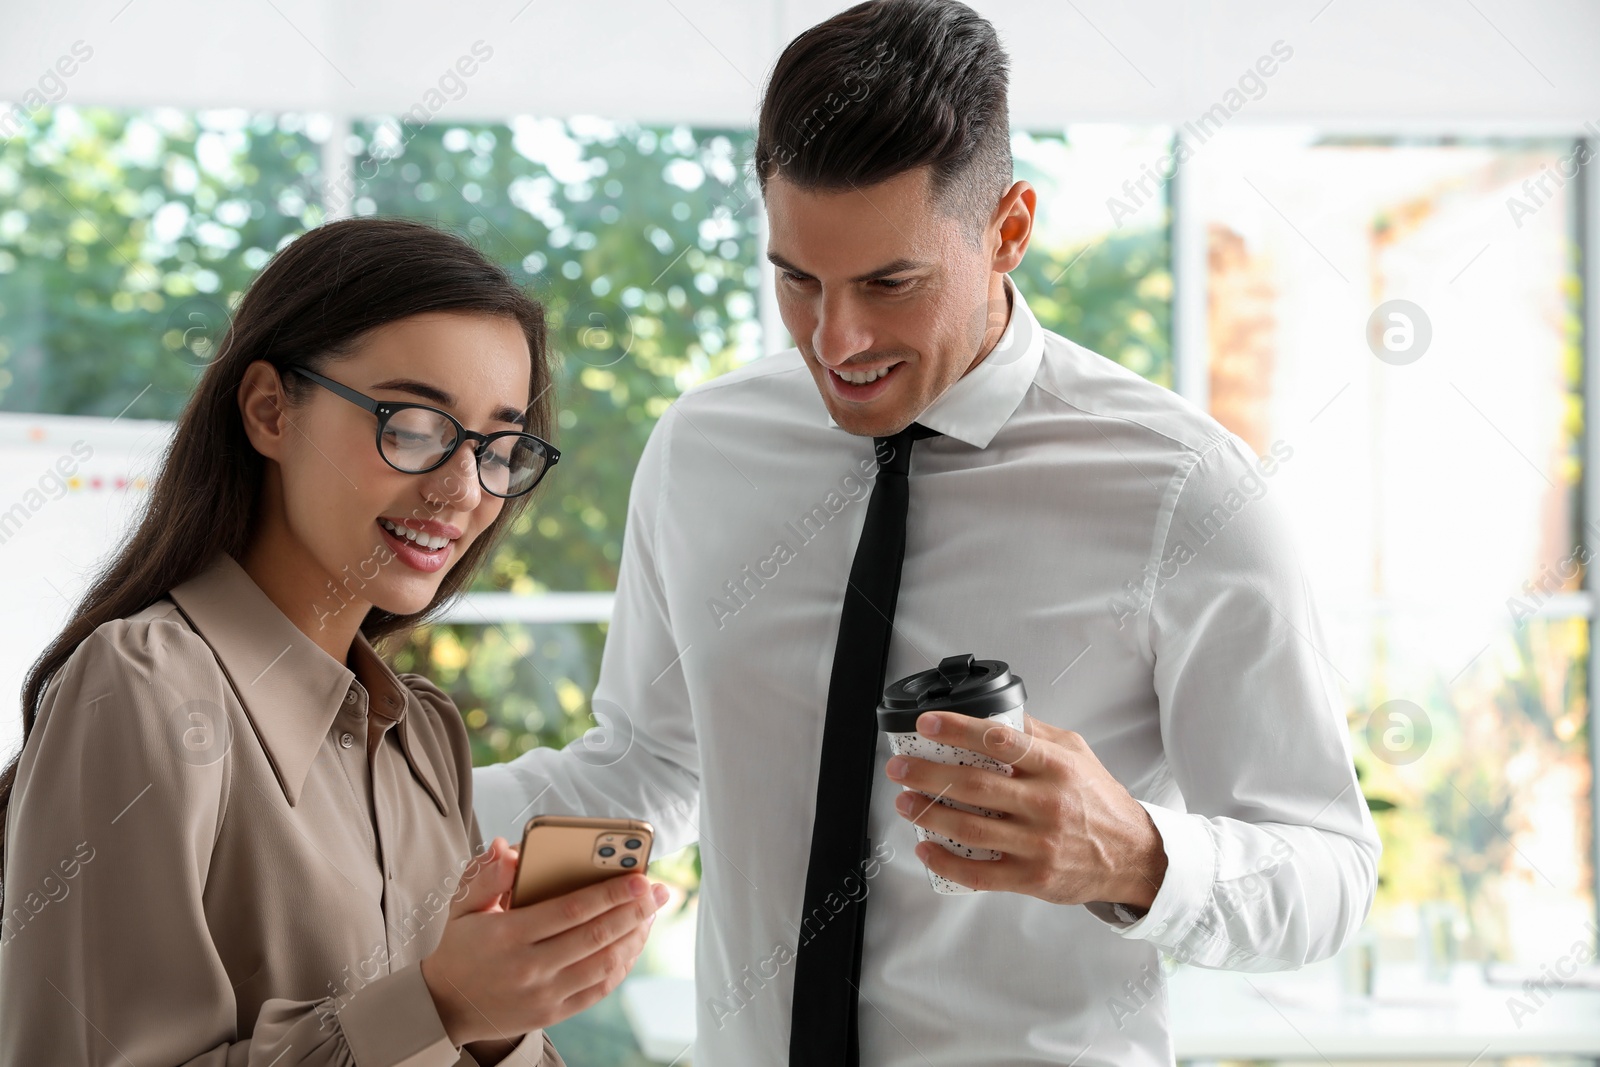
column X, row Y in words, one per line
column 561, row 853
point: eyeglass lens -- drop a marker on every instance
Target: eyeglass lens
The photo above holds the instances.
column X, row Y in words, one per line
column 415, row 439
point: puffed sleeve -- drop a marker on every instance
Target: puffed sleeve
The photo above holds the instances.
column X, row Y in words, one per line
column 106, row 955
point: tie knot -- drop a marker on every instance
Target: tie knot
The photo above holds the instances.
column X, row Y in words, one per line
column 894, row 451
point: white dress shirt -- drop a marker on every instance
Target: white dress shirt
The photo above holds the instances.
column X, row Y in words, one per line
column 1117, row 547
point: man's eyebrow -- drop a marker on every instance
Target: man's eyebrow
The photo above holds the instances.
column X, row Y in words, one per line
column 438, row 396
column 884, row 271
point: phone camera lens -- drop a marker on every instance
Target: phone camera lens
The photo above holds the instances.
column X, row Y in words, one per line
column 633, row 842
column 607, row 850
column 629, row 861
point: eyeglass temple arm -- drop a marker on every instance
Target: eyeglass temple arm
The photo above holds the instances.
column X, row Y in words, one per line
column 371, row 405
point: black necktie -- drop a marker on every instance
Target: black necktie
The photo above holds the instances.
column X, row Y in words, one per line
column 828, row 964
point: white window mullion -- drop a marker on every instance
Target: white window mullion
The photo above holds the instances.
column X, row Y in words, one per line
column 1191, row 374
column 1587, row 194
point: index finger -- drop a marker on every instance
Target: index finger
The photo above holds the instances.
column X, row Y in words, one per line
column 1024, row 750
column 560, row 914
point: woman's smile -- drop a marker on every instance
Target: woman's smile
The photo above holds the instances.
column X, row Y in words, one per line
column 421, row 544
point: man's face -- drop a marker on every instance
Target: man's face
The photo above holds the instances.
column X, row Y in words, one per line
column 882, row 279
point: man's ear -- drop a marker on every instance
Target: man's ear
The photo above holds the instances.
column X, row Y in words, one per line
column 264, row 408
column 1013, row 219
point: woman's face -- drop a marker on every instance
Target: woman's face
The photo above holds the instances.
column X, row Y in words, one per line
column 344, row 504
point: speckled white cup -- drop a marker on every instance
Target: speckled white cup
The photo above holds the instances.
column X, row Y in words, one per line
column 981, row 688
column 914, row 744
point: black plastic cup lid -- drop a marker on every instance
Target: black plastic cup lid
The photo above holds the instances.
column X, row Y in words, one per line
column 977, row 687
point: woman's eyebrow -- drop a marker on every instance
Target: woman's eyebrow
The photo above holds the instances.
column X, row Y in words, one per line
column 444, row 399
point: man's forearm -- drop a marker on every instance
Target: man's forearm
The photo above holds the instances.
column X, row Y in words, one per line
column 568, row 781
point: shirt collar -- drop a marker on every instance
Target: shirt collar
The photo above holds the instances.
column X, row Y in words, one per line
column 291, row 689
column 980, row 402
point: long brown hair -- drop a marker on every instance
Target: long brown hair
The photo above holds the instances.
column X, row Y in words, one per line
column 309, row 307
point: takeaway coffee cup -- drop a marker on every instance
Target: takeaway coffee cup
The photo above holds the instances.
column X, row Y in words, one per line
column 984, row 688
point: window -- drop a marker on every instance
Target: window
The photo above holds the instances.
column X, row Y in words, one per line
column 1094, row 273
column 1415, row 342
column 1403, row 315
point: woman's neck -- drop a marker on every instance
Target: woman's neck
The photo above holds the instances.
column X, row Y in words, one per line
column 303, row 590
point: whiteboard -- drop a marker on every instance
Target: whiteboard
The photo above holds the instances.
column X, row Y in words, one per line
column 70, row 489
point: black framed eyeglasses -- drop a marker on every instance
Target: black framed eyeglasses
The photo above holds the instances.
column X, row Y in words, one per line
column 416, row 438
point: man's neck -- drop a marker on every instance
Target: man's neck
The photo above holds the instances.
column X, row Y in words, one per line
column 1011, row 309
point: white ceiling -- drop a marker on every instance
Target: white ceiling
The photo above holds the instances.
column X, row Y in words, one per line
column 1428, row 63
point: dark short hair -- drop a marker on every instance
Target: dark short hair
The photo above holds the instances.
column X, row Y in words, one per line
column 884, row 88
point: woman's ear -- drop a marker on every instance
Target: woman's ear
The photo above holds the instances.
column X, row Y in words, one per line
column 264, row 408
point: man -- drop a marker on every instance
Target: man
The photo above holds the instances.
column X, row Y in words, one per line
column 1184, row 782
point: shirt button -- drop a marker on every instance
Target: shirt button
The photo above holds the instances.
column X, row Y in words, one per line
column 347, row 739
column 350, row 697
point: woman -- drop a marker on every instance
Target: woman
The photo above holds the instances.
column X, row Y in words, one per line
column 234, row 835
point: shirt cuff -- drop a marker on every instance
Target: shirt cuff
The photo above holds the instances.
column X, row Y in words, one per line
column 1185, row 888
column 394, row 1022
column 532, row 1049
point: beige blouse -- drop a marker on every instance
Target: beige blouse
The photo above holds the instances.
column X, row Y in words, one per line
column 225, row 848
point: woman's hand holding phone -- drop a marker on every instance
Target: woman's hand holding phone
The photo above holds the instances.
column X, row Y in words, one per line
column 499, row 972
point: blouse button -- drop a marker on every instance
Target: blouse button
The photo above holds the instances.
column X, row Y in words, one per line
column 347, row 739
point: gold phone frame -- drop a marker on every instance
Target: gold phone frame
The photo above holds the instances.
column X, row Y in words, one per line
column 560, row 853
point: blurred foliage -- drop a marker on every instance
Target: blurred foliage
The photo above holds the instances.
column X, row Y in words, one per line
column 1113, row 297
column 1112, row 293
column 1112, row 290
column 518, row 686
column 124, row 237
column 1506, row 767
column 641, row 241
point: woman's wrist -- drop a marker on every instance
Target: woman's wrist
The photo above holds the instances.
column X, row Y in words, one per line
column 455, row 1027
column 486, row 1051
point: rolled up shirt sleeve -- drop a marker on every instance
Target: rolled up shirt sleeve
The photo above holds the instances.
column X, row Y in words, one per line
column 106, row 955
column 1272, row 855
